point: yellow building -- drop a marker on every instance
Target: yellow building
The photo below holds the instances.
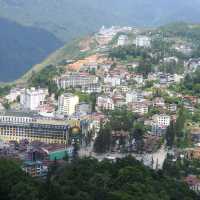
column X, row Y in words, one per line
column 16, row 126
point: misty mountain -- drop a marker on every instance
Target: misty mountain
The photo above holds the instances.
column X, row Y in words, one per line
column 70, row 18
column 22, row 47
column 40, row 22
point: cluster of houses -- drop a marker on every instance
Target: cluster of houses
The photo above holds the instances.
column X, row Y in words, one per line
column 115, row 87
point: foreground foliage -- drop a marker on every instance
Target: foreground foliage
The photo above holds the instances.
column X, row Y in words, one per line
column 88, row 179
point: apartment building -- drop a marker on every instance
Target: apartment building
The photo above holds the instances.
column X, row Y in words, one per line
column 17, row 126
column 105, row 103
column 143, row 41
column 76, row 80
column 31, row 98
column 67, row 103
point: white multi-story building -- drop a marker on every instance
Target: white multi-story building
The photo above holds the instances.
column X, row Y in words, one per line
column 31, row 98
column 139, row 107
column 112, row 80
column 94, row 88
column 105, row 103
column 133, row 96
column 84, row 108
column 15, row 117
column 143, row 41
column 162, row 120
column 67, row 103
column 122, row 40
column 14, row 93
column 76, row 80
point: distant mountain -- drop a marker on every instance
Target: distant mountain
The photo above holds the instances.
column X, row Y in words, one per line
column 70, row 18
column 22, row 47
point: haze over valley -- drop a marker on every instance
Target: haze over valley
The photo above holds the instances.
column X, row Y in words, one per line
column 67, row 19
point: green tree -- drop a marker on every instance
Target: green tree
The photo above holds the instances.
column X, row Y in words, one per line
column 103, row 141
column 170, row 135
column 138, row 135
column 121, row 119
column 24, row 191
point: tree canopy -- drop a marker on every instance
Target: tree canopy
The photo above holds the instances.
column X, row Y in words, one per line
column 88, row 179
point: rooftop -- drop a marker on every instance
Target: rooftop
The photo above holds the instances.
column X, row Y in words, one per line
column 16, row 113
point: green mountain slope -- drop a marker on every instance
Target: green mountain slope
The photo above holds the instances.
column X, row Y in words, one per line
column 22, row 47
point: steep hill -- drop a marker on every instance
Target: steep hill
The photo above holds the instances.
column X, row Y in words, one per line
column 68, row 18
column 22, row 47
column 70, row 51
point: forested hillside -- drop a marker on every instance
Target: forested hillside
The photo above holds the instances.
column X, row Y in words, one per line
column 22, row 47
column 87, row 179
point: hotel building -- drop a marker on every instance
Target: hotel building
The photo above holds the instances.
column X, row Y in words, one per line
column 75, row 80
column 67, row 103
column 16, row 126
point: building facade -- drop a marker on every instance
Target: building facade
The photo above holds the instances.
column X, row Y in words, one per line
column 75, row 80
column 134, row 96
column 67, row 103
column 19, row 126
column 122, row 40
column 31, row 98
column 162, row 120
column 143, row 41
column 105, row 103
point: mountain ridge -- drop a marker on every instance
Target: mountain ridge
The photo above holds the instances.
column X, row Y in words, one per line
column 68, row 19
column 22, row 47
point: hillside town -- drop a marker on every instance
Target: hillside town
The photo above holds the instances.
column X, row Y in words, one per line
column 112, row 102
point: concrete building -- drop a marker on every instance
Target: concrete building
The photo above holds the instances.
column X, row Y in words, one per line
column 94, row 88
column 122, row 40
column 134, row 96
column 30, row 99
column 35, row 168
column 14, row 93
column 17, row 126
column 76, row 80
column 139, row 107
column 105, row 103
column 83, row 108
column 67, row 103
column 143, row 41
column 112, row 80
column 172, row 107
column 158, row 130
column 162, row 120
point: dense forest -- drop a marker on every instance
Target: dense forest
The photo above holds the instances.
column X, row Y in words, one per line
column 22, row 47
column 88, row 179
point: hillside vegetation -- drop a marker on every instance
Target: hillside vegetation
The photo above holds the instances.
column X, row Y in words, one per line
column 70, row 51
column 88, row 179
column 22, row 47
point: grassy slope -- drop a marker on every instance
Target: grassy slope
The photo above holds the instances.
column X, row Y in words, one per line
column 70, row 51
